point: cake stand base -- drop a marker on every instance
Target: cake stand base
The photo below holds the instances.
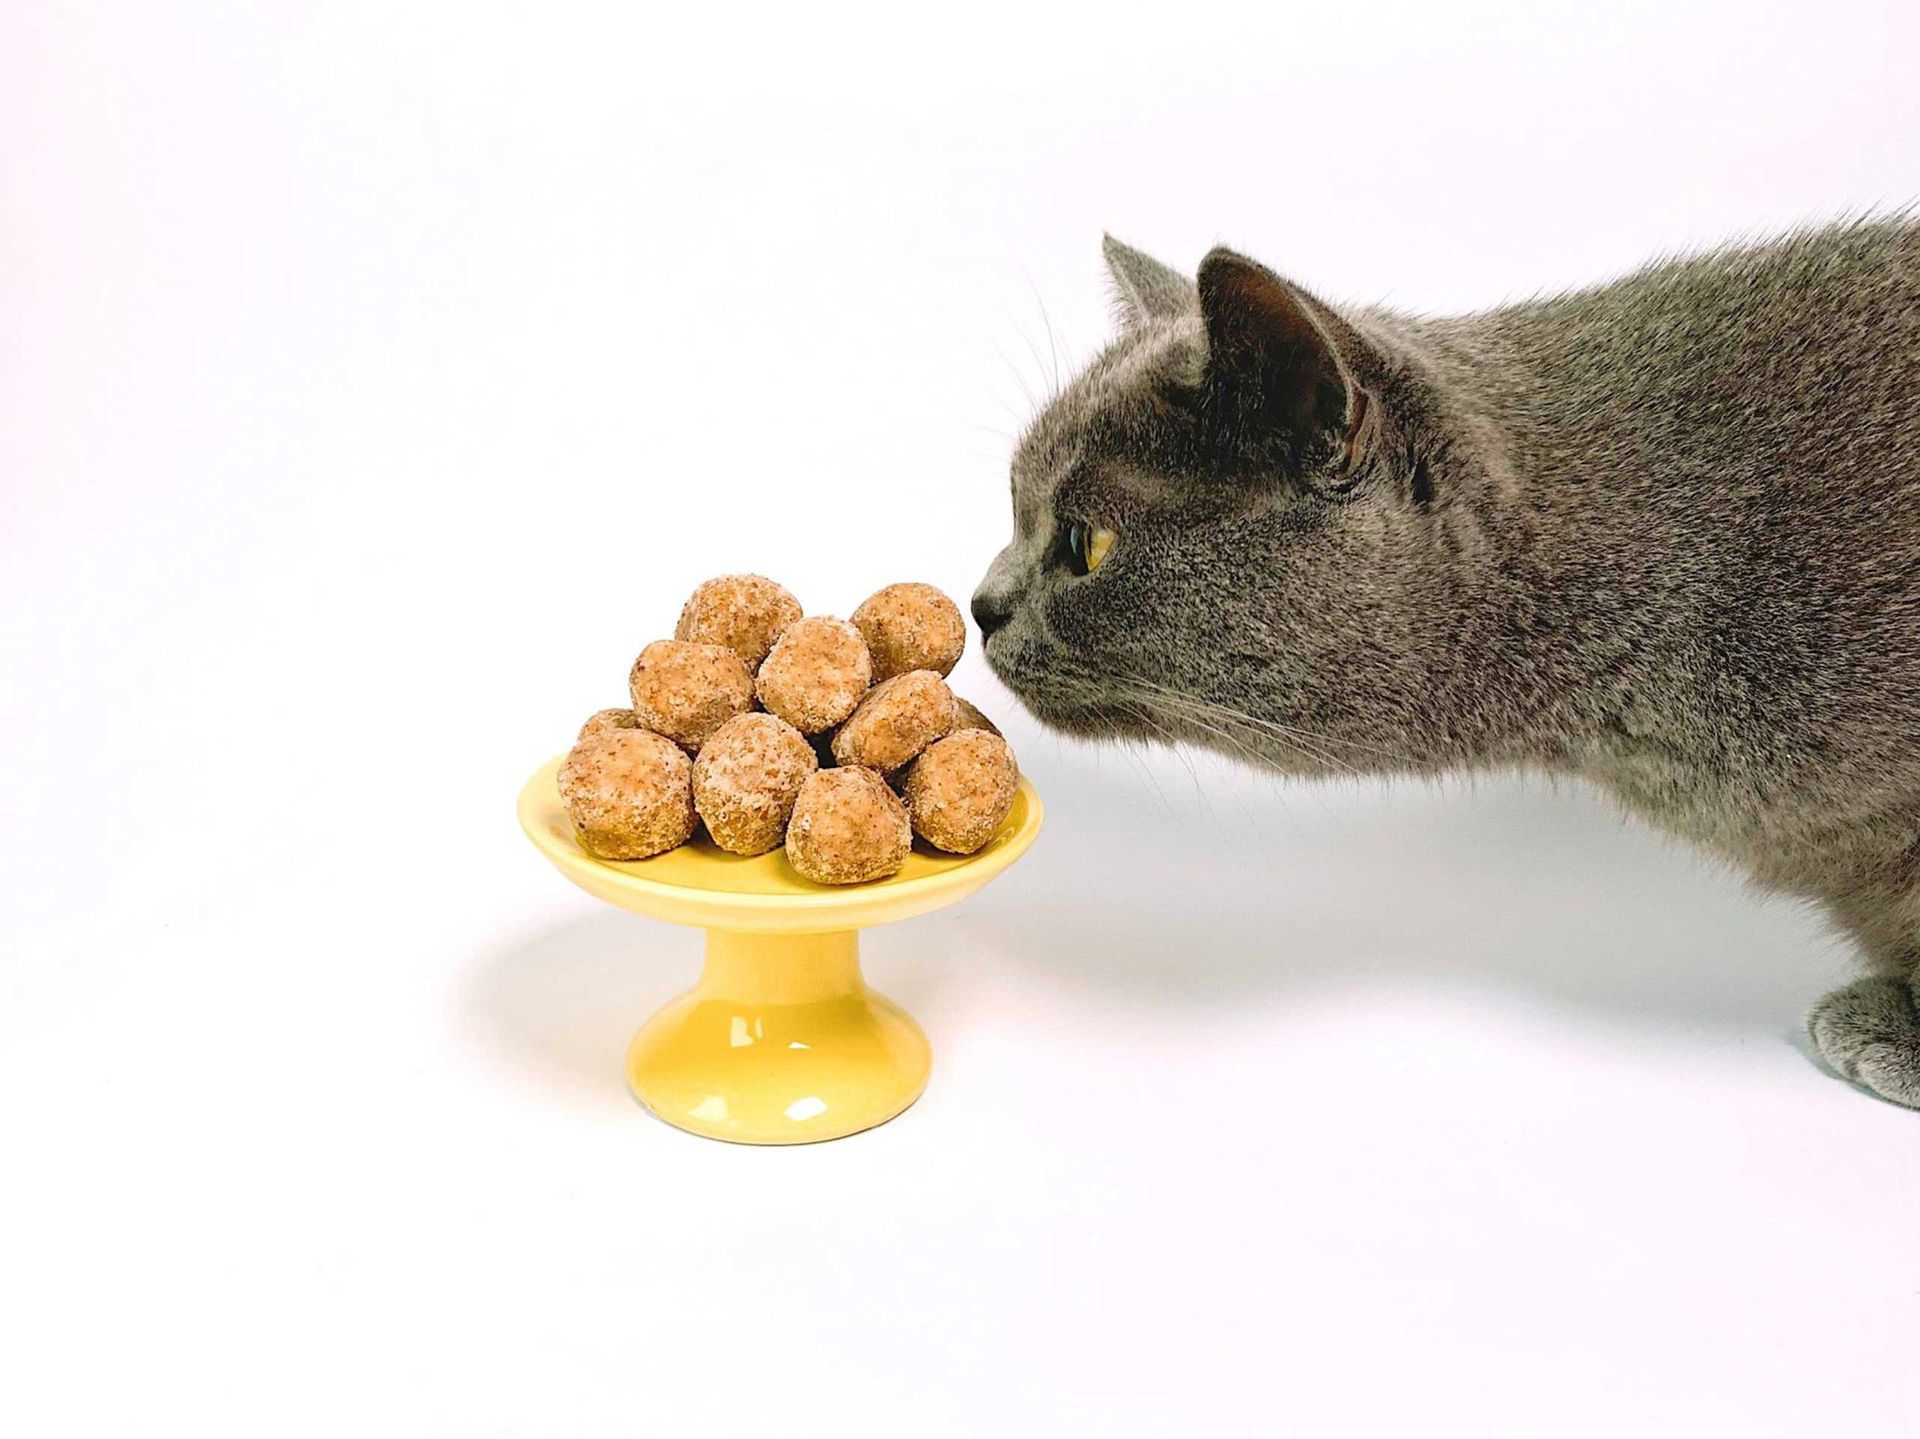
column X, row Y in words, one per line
column 781, row 1042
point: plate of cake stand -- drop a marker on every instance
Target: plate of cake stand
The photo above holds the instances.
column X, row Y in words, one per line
column 781, row 1041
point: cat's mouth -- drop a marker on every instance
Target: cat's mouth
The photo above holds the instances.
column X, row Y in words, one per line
column 1088, row 719
column 1089, row 703
column 1063, row 699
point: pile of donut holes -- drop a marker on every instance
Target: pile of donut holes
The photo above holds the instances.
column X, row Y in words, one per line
column 769, row 726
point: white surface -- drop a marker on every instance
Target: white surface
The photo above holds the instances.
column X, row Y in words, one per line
column 377, row 382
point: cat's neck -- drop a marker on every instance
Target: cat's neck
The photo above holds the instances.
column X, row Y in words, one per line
column 1558, row 572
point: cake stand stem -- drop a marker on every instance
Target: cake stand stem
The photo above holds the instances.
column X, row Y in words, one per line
column 780, row 1042
column 763, row 969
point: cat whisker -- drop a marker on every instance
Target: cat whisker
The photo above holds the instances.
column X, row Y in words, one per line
column 1053, row 345
column 1236, row 732
column 1019, row 379
column 1221, row 724
column 1241, row 717
column 1221, row 727
column 1211, row 717
column 1052, row 377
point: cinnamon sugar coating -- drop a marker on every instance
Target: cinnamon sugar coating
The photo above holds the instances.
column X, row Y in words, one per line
column 815, row 674
column 897, row 719
column 605, row 721
column 961, row 790
column 687, row 691
column 629, row 793
column 969, row 716
column 746, row 613
column 746, row 779
column 847, row 827
column 911, row 627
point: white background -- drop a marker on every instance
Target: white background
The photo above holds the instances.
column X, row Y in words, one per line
column 376, row 381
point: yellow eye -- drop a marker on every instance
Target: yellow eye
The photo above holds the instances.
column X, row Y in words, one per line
column 1087, row 546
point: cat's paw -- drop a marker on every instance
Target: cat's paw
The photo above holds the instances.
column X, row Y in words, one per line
column 1870, row 1032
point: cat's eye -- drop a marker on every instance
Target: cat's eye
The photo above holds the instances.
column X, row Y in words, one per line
column 1087, row 546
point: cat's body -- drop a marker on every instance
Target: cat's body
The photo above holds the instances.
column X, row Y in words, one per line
column 1663, row 534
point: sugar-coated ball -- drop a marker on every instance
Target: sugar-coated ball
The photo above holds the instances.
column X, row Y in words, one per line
column 897, row 719
column 911, row 627
column 960, row 791
column 968, row 716
column 847, row 827
column 629, row 793
column 746, row 613
column 746, row 779
column 687, row 691
column 605, row 721
column 815, row 673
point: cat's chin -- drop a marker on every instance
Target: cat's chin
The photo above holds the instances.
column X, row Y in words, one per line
column 1085, row 719
column 1057, row 700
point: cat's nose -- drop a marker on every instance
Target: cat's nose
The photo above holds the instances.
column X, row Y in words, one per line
column 990, row 611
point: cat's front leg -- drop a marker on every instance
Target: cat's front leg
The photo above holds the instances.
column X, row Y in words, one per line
column 1870, row 1032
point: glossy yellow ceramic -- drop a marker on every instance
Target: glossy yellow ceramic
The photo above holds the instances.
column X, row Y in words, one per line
column 781, row 1041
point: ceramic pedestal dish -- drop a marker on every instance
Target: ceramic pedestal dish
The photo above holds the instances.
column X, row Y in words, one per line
column 781, row 1041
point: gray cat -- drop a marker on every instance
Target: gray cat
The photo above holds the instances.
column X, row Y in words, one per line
column 1663, row 534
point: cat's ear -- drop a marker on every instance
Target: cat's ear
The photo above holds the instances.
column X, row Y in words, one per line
column 1143, row 288
column 1274, row 380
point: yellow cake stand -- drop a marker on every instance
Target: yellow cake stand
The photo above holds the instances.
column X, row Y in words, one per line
column 781, row 1041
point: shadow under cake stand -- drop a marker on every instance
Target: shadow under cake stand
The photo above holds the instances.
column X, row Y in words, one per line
column 781, row 1041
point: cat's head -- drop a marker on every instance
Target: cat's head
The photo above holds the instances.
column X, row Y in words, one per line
column 1216, row 526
